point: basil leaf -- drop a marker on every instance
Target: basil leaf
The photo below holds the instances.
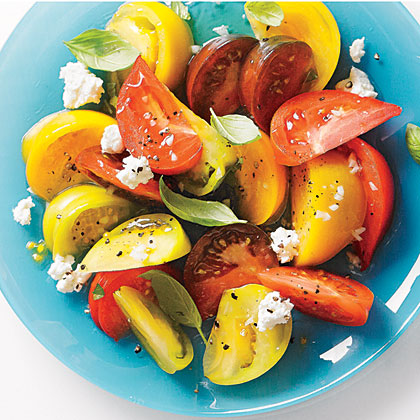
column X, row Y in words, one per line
column 181, row 10
column 98, row 292
column 412, row 138
column 237, row 129
column 267, row 12
column 205, row 213
column 174, row 299
column 102, row 50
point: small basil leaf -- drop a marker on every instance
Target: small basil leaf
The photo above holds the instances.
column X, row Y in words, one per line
column 412, row 138
column 181, row 10
column 267, row 12
column 237, row 129
column 174, row 299
column 205, row 213
column 102, row 50
column 98, row 292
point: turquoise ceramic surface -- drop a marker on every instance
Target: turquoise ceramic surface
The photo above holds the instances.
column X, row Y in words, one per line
column 30, row 88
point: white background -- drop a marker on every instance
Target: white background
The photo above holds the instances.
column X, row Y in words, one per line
column 34, row 385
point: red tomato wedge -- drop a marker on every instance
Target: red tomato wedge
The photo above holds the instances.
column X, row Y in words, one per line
column 320, row 294
column 312, row 123
column 379, row 190
column 152, row 124
column 103, row 169
column 104, row 311
column 224, row 258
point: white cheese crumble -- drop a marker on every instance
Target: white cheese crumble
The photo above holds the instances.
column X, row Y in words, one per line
column 272, row 311
column 68, row 280
column 337, row 352
column 22, row 212
column 111, row 141
column 357, row 49
column 354, row 164
column 322, row 215
column 221, row 30
column 80, row 86
column 195, row 49
column 339, row 195
column 136, row 171
column 372, row 186
column 357, row 232
column 285, row 244
column 358, row 83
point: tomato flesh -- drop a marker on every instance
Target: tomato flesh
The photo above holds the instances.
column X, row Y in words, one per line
column 152, row 124
column 213, row 75
column 275, row 70
column 312, row 123
column 226, row 257
column 105, row 312
column 103, row 169
column 379, row 190
column 323, row 295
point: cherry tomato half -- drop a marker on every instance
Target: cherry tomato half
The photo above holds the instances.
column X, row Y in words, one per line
column 152, row 123
column 320, row 294
column 226, row 257
column 275, row 70
column 312, row 123
column 104, row 310
column 213, row 75
column 379, row 190
column 103, row 169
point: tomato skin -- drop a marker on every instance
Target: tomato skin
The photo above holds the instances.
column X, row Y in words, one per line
column 148, row 115
column 223, row 258
column 212, row 78
column 380, row 201
column 312, row 123
column 320, row 294
column 275, row 70
column 103, row 169
column 105, row 312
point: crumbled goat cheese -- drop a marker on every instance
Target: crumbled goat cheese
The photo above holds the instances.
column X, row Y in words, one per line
column 73, row 281
column 221, row 30
column 80, row 86
column 354, row 260
column 339, row 195
column 372, row 186
column 195, row 49
column 354, row 164
column 358, row 83
column 322, row 215
column 111, row 141
column 285, row 244
column 61, row 266
column 357, row 232
column 357, row 49
column 273, row 310
column 136, row 171
column 22, row 212
column 139, row 253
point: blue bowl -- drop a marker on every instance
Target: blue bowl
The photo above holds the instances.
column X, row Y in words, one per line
column 29, row 67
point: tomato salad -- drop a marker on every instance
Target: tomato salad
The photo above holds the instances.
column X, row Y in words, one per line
column 211, row 182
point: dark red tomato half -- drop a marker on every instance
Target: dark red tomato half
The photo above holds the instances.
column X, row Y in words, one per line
column 103, row 169
column 223, row 258
column 312, row 123
column 274, row 71
column 213, row 75
column 152, row 123
column 104, row 311
column 379, row 190
column 320, row 294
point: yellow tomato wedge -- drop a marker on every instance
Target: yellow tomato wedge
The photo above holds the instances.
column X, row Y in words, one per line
column 162, row 37
column 52, row 145
column 78, row 217
column 144, row 241
column 237, row 351
column 312, row 23
column 328, row 205
column 261, row 183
